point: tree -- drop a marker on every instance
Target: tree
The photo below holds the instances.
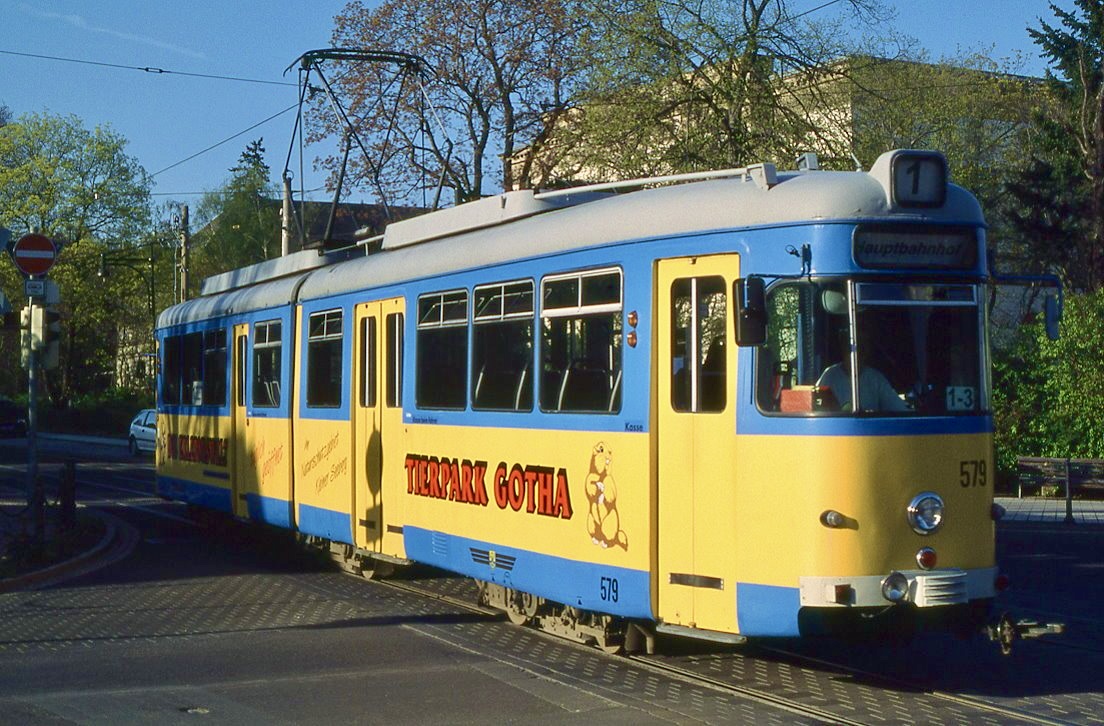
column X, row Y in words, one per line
column 1047, row 394
column 239, row 221
column 80, row 187
column 69, row 182
column 502, row 70
column 1059, row 195
column 687, row 85
column 975, row 111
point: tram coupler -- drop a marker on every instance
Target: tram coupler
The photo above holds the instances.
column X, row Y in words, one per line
column 1005, row 631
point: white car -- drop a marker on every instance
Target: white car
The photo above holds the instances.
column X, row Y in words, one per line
column 143, row 431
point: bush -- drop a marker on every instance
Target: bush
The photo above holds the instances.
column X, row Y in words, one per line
column 1048, row 395
column 101, row 414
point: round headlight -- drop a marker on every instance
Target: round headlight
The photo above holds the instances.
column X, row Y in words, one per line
column 895, row 587
column 925, row 512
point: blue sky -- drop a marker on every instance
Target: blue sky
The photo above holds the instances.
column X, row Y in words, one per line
column 168, row 117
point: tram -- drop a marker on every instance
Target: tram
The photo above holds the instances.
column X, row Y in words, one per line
column 744, row 403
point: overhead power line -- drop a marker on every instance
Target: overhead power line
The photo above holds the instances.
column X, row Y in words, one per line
column 228, row 138
column 147, row 69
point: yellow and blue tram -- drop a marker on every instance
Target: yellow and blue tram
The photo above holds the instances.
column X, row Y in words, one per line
column 743, row 403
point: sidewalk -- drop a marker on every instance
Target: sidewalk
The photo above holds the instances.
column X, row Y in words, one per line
column 1052, row 511
column 98, row 440
column 82, row 545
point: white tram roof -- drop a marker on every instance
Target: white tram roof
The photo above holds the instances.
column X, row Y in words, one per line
column 522, row 224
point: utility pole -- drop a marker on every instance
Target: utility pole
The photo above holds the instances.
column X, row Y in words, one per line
column 285, row 220
column 34, row 254
column 35, row 494
column 185, row 241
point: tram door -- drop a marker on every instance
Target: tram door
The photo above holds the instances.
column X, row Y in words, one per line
column 696, row 395
column 377, row 408
column 239, row 437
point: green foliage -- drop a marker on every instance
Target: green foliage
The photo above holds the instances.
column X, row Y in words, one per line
column 70, row 183
column 685, row 86
column 240, row 222
column 79, row 187
column 973, row 110
column 1058, row 196
column 1048, row 395
column 106, row 413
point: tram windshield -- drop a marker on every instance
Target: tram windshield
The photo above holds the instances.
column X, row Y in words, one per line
column 910, row 349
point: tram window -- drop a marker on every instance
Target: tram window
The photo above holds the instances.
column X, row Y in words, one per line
column 214, row 367
column 192, row 357
column 581, row 342
column 918, row 350
column 442, row 356
column 324, row 341
column 502, row 340
column 394, row 359
column 267, row 346
column 368, row 362
column 170, row 370
column 698, row 331
column 239, row 370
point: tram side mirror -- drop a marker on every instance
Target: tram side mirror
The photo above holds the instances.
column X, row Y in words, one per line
column 751, row 311
column 1053, row 314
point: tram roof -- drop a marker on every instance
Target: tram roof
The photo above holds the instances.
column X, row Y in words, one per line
column 464, row 238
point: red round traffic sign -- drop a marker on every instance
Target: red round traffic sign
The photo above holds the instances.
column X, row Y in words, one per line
column 34, row 254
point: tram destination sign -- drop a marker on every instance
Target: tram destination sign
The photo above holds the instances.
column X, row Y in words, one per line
column 895, row 247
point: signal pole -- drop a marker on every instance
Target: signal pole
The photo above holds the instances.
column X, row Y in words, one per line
column 35, row 494
column 34, row 254
column 185, row 241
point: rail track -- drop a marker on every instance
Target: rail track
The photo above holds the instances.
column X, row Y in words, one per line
column 816, row 688
column 821, row 689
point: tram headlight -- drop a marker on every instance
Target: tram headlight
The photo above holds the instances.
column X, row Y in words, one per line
column 925, row 512
column 895, row 587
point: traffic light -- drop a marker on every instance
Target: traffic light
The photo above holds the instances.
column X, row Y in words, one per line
column 38, row 327
column 41, row 332
column 25, row 337
column 52, row 337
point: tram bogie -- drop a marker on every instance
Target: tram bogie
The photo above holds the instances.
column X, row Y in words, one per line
column 755, row 405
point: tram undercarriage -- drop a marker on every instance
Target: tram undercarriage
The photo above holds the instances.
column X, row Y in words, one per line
column 610, row 633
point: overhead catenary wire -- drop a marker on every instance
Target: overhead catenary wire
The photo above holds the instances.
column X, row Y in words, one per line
column 146, row 69
column 292, row 107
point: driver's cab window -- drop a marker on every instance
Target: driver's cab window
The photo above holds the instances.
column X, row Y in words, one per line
column 872, row 348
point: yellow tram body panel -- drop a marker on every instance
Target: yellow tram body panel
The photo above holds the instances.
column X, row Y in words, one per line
column 786, row 483
column 193, row 459
column 576, row 495
column 264, row 470
column 323, row 478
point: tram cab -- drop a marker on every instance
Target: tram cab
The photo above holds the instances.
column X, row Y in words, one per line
column 864, row 453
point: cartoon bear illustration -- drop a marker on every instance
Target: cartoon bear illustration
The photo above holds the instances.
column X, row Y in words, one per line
column 603, row 520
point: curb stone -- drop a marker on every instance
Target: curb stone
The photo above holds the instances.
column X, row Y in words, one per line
column 30, row 580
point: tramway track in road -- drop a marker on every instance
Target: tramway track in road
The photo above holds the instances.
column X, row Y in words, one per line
column 887, row 683
column 461, row 592
column 800, row 684
column 143, row 500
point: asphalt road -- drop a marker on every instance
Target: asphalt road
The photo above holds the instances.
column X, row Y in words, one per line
column 238, row 625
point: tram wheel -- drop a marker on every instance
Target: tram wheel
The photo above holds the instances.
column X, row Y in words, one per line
column 523, row 607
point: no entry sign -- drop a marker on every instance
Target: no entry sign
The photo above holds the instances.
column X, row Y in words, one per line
column 34, row 254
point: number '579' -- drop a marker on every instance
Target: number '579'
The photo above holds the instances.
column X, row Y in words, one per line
column 972, row 473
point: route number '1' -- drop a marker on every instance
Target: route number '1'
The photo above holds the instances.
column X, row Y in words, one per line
column 919, row 179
